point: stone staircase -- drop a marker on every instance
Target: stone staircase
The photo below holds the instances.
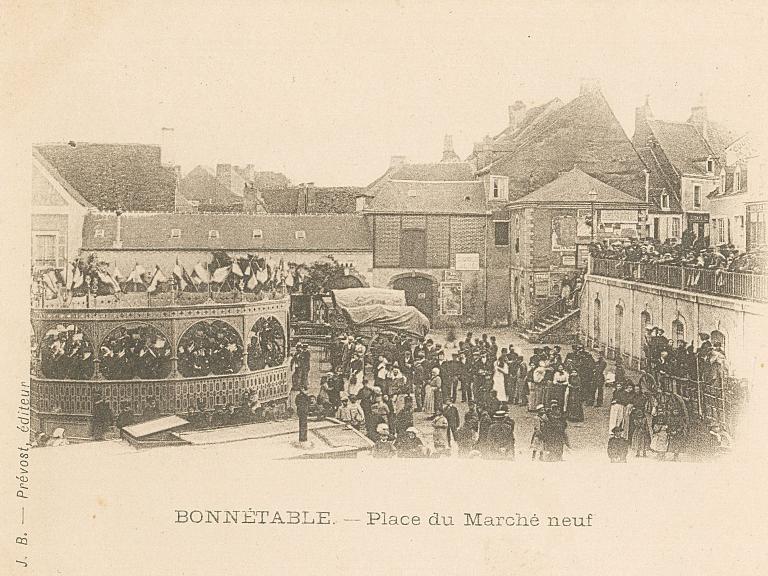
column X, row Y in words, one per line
column 548, row 320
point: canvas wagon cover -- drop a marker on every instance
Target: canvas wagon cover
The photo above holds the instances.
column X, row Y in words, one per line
column 405, row 318
column 355, row 297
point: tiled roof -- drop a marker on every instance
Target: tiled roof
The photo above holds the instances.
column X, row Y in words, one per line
column 51, row 170
column 438, row 171
column 199, row 184
column 320, row 200
column 575, row 186
column 508, row 139
column 112, row 176
column 152, row 231
column 682, row 145
column 429, row 197
column 659, row 182
column 583, row 133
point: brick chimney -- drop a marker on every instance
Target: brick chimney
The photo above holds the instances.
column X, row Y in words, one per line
column 699, row 117
column 516, row 114
column 642, row 130
column 167, row 147
column 448, row 154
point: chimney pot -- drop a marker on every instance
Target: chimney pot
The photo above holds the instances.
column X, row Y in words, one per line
column 516, row 113
column 396, row 161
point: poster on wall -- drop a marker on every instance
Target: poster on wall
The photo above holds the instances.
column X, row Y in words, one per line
column 541, row 284
column 451, row 298
column 563, row 233
column 468, row 261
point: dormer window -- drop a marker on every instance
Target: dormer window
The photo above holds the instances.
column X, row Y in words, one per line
column 664, row 201
column 499, row 188
column 258, row 233
column 98, row 233
column 213, row 234
column 175, row 233
column 710, row 166
column 300, row 234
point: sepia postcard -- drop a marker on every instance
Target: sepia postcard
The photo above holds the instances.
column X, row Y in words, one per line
column 333, row 287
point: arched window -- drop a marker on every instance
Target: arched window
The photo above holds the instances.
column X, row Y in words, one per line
column 210, row 348
column 596, row 320
column 678, row 331
column 266, row 344
column 66, row 354
column 140, row 351
column 619, row 328
column 718, row 337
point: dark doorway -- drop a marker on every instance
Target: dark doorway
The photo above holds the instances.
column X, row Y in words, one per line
column 418, row 292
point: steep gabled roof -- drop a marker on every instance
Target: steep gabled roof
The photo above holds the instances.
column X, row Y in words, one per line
column 320, row 200
column 659, row 182
column 683, row 145
column 437, row 171
column 583, row 133
column 452, row 197
column 575, row 186
column 152, row 231
column 509, row 138
column 200, row 185
column 54, row 173
column 114, row 176
column 428, row 188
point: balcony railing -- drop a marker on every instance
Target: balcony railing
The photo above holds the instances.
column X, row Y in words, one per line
column 741, row 285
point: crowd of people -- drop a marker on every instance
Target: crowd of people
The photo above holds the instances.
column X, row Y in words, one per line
column 136, row 352
column 267, row 344
column 211, row 348
column 410, row 377
column 66, row 354
column 690, row 252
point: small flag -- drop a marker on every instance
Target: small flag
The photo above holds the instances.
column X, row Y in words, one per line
column 221, row 274
column 181, row 275
column 157, row 278
column 201, row 272
column 236, row 270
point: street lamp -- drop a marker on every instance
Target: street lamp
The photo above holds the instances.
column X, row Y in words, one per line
column 592, row 198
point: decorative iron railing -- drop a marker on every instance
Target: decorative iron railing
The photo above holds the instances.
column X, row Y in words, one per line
column 742, row 285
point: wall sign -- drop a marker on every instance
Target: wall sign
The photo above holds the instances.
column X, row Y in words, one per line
column 467, row 261
column 451, row 298
column 452, row 276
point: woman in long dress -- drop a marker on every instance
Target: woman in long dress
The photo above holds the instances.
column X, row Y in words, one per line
column 429, row 395
column 660, row 440
column 500, row 373
column 559, row 385
column 537, row 387
column 574, row 410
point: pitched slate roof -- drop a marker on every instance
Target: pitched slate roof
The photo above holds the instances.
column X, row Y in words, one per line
column 659, row 182
column 683, row 146
column 200, row 185
column 582, row 133
column 54, row 173
column 450, row 197
column 575, row 186
column 509, row 138
column 436, row 171
column 112, row 176
column 320, row 200
column 152, row 231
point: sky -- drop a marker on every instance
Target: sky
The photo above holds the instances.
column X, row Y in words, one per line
column 328, row 91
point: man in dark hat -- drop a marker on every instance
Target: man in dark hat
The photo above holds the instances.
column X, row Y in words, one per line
column 451, row 414
column 501, row 437
column 302, row 411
